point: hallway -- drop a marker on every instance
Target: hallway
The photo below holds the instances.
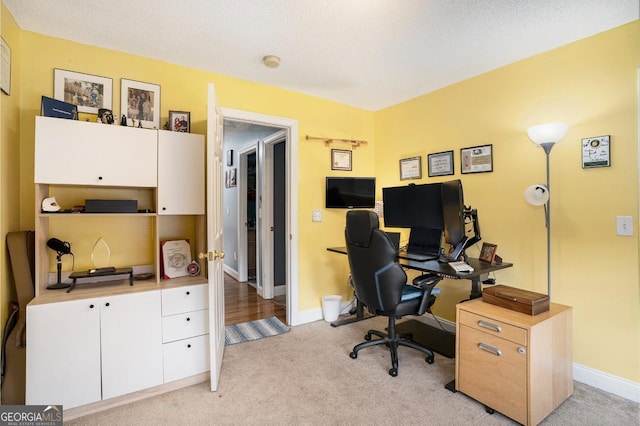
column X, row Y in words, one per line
column 242, row 303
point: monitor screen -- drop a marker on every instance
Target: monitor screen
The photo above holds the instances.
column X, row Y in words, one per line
column 453, row 212
column 413, row 206
column 350, row 192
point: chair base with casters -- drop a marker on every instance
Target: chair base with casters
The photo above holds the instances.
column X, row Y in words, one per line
column 392, row 339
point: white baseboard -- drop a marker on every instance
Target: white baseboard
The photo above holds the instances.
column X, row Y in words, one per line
column 607, row 382
column 232, row 272
column 589, row 376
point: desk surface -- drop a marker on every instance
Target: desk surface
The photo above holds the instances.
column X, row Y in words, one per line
column 442, row 269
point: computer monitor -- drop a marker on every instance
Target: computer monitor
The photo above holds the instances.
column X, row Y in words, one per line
column 455, row 214
column 413, row 206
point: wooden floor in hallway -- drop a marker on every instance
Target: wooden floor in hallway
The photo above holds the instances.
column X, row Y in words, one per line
column 242, row 304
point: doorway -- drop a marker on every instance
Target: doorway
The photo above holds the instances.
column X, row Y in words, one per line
column 276, row 205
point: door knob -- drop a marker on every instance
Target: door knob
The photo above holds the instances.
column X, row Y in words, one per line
column 211, row 256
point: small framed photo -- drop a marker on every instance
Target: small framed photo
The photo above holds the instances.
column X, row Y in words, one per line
column 229, row 157
column 411, row 168
column 340, row 159
column 440, row 163
column 596, row 152
column 180, row 121
column 140, row 103
column 230, row 178
column 88, row 92
column 5, row 67
column 488, row 252
column 476, row 159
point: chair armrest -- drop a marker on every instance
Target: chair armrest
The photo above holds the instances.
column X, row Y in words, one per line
column 426, row 282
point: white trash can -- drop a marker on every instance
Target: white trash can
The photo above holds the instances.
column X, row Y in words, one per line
column 331, row 307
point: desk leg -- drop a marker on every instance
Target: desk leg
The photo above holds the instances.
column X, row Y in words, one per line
column 359, row 316
column 476, row 288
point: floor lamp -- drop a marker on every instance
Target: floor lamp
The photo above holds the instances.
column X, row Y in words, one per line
column 545, row 135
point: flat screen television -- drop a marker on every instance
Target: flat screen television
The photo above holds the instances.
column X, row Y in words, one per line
column 413, row 206
column 350, row 192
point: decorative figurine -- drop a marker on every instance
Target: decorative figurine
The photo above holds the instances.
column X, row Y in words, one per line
column 123, row 120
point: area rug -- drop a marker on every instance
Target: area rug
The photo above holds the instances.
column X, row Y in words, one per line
column 253, row 330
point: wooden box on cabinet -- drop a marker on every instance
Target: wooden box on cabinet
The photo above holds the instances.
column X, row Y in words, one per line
column 517, row 364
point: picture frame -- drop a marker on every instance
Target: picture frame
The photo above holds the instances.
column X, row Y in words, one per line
column 488, row 252
column 230, row 178
column 5, row 66
column 340, row 159
column 229, row 157
column 440, row 163
column 180, row 121
column 88, row 92
column 411, row 168
column 596, row 152
column 476, row 159
column 140, row 103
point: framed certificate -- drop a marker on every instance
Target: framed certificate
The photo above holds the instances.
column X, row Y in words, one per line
column 411, row 168
column 476, row 159
column 440, row 163
column 176, row 256
column 340, row 159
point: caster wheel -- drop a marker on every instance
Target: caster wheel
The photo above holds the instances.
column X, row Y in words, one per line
column 393, row 372
column 353, row 355
column 367, row 337
column 430, row 360
column 489, row 410
column 353, row 311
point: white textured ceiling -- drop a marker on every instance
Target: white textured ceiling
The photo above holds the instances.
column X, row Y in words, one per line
column 366, row 53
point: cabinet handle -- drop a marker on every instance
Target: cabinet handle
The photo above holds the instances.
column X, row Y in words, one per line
column 490, row 349
column 99, row 177
column 106, row 304
column 188, row 319
column 91, row 306
column 164, row 208
column 188, row 293
column 490, row 326
column 189, row 345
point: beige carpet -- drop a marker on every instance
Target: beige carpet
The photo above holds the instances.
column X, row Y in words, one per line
column 305, row 377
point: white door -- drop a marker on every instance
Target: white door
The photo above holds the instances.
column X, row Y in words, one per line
column 214, row 236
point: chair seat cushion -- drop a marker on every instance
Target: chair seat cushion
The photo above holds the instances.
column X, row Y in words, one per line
column 410, row 292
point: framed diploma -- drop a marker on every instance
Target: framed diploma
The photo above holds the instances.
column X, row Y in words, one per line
column 440, row 163
column 411, row 168
column 340, row 159
column 476, row 159
column 176, row 257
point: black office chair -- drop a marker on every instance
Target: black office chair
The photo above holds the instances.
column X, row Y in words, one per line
column 380, row 284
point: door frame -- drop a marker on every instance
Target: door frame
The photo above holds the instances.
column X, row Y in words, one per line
column 290, row 126
column 243, row 253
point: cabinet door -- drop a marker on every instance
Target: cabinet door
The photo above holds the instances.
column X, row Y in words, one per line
column 63, row 353
column 82, row 153
column 131, row 331
column 180, row 173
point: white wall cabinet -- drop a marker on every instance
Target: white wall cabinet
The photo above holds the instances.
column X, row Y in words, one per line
column 73, row 152
column 180, row 173
column 82, row 351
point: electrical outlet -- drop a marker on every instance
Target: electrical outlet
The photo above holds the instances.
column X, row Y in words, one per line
column 316, row 216
column 624, row 225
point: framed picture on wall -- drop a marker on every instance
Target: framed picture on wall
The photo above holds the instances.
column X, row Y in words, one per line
column 476, row 159
column 440, row 163
column 88, row 92
column 340, row 159
column 411, row 168
column 140, row 103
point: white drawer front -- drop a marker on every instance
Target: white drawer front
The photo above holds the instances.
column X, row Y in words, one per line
column 185, row 299
column 182, row 326
column 186, row 358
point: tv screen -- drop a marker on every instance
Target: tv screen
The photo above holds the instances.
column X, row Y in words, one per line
column 413, row 206
column 350, row 192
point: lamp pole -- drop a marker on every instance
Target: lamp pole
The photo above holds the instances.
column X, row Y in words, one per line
column 547, row 215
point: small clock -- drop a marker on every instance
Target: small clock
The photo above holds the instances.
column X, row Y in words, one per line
column 193, row 268
column 596, row 152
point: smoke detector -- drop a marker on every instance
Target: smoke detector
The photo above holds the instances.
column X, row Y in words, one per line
column 271, row 61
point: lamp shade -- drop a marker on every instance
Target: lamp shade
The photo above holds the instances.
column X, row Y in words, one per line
column 537, row 195
column 547, row 133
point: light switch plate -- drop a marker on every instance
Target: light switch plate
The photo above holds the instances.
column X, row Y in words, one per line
column 624, row 225
column 316, row 216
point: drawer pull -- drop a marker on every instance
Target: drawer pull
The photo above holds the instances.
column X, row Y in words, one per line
column 188, row 293
column 188, row 319
column 490, row 349
column 490, row 326
column 189, row 345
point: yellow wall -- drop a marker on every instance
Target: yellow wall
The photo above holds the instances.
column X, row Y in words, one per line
column 592, row 85
column 9, row 162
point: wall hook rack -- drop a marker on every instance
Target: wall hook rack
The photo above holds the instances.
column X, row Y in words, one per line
column 328, row 141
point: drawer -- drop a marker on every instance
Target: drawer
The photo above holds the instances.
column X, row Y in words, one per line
column 493, row 371
column 492, row 326
column 185, row 299
column 186, row 358
column 182, row 326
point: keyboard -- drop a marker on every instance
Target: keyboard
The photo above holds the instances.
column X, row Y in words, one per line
column 461, row 266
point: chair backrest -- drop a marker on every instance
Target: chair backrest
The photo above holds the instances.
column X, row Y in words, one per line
column 377, row 278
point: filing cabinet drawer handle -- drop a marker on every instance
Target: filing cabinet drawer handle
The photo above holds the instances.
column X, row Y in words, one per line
column 490, row 349
column 490, row 326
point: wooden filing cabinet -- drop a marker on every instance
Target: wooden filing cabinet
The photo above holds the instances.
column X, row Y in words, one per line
column 517, row 364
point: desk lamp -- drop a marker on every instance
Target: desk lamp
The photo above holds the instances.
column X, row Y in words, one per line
column 62, row 248
column 545, row 135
